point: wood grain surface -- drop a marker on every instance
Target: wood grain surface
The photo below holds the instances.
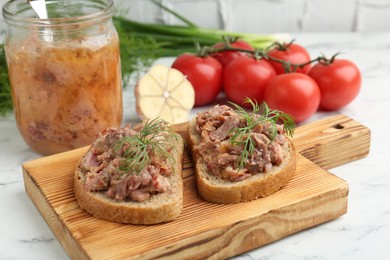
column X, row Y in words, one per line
column 206, row 230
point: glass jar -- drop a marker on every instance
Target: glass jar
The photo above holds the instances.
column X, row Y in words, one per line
column 64, row 72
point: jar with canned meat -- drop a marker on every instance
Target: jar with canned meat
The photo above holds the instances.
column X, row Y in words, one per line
column 64, row 72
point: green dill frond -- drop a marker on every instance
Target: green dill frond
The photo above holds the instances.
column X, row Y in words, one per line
column 137, row 51
column 5, row 88
column 154, row 139
column 260, row 114
column 286, row 119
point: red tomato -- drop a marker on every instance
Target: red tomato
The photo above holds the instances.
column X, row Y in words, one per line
column 225, row 57
column 205, row 75
column 339, row 82
column 247, row 77
column 293, row 53
column 294, row 93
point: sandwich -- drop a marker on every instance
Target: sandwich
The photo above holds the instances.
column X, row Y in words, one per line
column 132, row 174
column 239, row 155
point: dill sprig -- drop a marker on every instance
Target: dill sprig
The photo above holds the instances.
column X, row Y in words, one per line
column 155, row 139
column 5, row 89
column 260, row 114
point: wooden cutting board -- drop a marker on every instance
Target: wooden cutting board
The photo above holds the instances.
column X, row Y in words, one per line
column 206, row 230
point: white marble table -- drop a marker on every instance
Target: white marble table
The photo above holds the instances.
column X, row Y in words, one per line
column 362, row 233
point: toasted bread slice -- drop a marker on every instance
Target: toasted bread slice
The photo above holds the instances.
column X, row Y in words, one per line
column 161, row 207
column 216, row 190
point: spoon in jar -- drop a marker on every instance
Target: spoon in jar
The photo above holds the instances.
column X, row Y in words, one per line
column 39, row 6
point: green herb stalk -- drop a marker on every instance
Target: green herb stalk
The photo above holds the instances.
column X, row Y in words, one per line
column 143, row 43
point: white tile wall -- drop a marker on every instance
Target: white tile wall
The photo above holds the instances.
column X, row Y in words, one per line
column 265, row 16
column 373, row 15
column 270, row 16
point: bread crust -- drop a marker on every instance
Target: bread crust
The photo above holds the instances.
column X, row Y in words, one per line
column 162, row 207
column 217, row 190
